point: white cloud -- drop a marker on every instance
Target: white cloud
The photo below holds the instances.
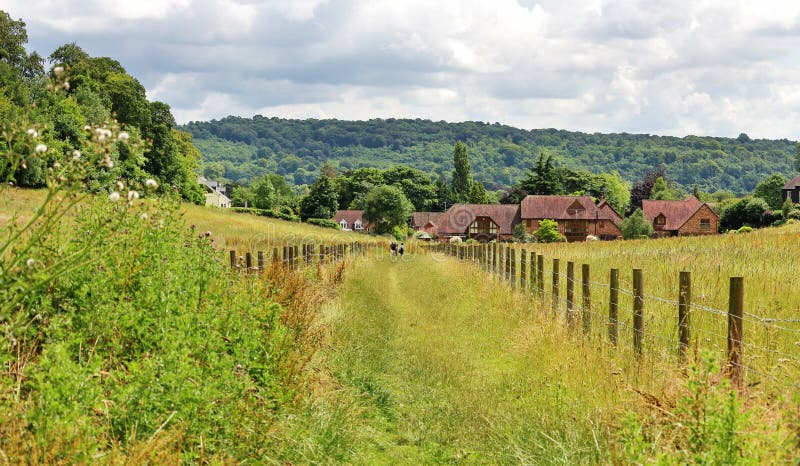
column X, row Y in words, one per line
column 715, row 67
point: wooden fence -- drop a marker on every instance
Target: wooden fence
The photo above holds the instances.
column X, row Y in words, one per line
column 501, row 260
column 294, row 256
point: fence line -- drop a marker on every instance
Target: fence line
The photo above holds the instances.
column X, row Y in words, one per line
column 500, row 261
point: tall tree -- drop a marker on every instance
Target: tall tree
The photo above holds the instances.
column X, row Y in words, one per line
column 543, row 178
column 644, row 188
column 462, row 178
column 477, row 194
column 771, row 190
column 320, row 202
column 387, row 207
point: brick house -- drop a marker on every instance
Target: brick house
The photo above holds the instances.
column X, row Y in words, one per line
column 690, row 217
column 426, row 221
column 481, row 222
column 577, row 216
column 791, row 190
column 352, row 220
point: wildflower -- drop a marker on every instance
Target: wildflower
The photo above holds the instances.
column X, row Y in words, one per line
column 58, row 70
column 114, row 197
column 66, row 85
column 143, row 216
column 30, row 262
column 133, row 195
column 87, row 128
column 107, row 162
column 123, row 136
column 120, row 185
column 40, row 148
column 76, row 154
column 56, row 166
column 151, row 183
column 32, row 133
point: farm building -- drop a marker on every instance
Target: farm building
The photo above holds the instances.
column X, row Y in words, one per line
column 215, row 193
column 481, row 222
column 351, row 220
column 426, row 221
column 690, row 217
column 577, row 216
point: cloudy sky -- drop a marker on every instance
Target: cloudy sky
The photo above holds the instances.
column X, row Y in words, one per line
column 707, row 67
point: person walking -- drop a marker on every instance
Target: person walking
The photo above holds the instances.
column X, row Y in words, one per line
column 401, row 249
column 393, row 248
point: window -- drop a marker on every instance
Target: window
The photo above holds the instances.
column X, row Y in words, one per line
column 343, row 223
column 601, row 224
column 705, row 224
column 482, row 226
column 357, row 225
column 661, row 220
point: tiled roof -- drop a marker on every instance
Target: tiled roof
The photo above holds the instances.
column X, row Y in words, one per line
column 460, row 216
column 566, row 208
column 675, row 212
column 351, row 216
column 420, row 219
column 793, row 183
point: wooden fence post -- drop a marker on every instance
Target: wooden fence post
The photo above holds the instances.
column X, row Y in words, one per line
column 613, row 307
column 248, row 261
column 586, row 293
column 507, row 274
column 233, row 259
column 638, row 312
column 321, row 254
column 261, row 261
column 513, row 253
column 570, row 293
column 540, row 274
column 276, row 259
column 684, row 316
column 494, row 257
column 555, row 287
column 285, row 257
column 532, row 272
column 523, row 276
column 735, row 315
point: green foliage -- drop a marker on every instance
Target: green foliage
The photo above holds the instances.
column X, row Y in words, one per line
column 542, row 179
column 520, row 232
column 321, row 200
column 661, row 191
column 325, row 223
column 771, row 190
column 548, row 232
column 263, row 194
column 281, row 214
column 636, row 226
column 386, row 207
column 477, row 194
column 748, row 211
column 744, row 229
column 462, row 175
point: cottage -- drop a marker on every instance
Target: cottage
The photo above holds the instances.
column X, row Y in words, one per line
column 791, row 190
column 426, row 221
column 577, row 216
column 215, row 193
column 351, row 220
column 481, row 222
column 689, row 217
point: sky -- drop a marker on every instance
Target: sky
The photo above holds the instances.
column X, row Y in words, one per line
column 706, row 67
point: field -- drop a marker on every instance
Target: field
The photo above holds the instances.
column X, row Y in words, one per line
column 150, row 350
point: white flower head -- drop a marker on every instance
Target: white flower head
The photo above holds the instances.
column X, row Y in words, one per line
column 32, row 133
column 151, row 183
column 87, row 128
column 30, row 262
column 40, row 148
column 107, row 162
column 58, row 70
column 114, row 196
column 66, row 85
column 123, row 136
column 120, row 185
column 56, row 166
column 76, row 154
column 143, row 216
column 133, row 195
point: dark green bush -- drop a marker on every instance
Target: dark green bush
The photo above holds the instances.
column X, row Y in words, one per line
column 324, row 222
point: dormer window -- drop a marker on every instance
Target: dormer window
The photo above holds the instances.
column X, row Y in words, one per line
column 576, row 208
column 357, row 225
column 343, row 223
column 661, row 220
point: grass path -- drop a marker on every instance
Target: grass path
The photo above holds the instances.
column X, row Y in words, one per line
column 448, row 368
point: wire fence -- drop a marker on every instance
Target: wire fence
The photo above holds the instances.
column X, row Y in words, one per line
column 755, row 349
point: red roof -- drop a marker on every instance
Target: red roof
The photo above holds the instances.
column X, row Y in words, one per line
column 420, row 219
column 676, row 213
column 460, row 216
column 793, row 183
column 350, row 216
column 567, row 208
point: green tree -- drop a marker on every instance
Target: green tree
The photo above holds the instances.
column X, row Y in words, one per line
column 68, row 54
column 263, row 194
column 771, row 190
column 386, row 207
column 321, row 200
column 548, row 232
column 614, row 190
column 636, row 226
column 477, row 194
column 462, row 178
column 13, row 37
column 542, row 178
column 661, row 191
column 415, row 184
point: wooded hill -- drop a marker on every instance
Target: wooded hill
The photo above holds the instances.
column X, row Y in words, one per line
column 240, row 149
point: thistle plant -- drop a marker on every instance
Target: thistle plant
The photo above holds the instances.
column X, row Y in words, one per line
column 64, row 230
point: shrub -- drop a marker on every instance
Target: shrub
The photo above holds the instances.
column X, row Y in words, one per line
column 745, row 229
column 271, row 213
column 455, row 240
column 636, row 226
column 325, row 223
column 548, row 232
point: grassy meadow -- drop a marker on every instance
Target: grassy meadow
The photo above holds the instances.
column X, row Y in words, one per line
column 147, row 350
